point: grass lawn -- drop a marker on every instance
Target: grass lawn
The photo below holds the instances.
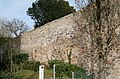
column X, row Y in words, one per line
column 30, row 74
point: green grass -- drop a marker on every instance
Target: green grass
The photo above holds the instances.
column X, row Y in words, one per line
column 30, row 74
column 48, row 73
column 27, row 74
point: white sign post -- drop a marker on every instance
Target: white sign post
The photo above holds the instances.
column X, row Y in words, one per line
column 54, row 71
column 41, row 72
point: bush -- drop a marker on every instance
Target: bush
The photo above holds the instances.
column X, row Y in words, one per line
column 20, row 58
column 31, row 65
column 71, row 68
column 81, row 73
column 4, row 75
column 28, row 65
column 36, row 66
column 60, row 69
column 17, row 76
column 67, row 69
column 52, row 62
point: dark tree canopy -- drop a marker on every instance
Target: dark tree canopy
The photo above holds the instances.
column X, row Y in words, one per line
column 44, row 11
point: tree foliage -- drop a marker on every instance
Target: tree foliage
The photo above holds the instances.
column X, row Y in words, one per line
column 4, row 53
column 14, row 27
column 44, row 11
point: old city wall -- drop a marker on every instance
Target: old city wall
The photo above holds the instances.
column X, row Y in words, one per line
column 55, row 40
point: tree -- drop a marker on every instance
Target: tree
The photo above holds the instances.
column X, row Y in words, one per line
column 4, row 32
column 15, row 27
column 44, row 11
column 10, row 46
column 102, row 18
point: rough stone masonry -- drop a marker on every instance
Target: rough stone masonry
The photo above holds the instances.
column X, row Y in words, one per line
column 62, row 37
column 54, row 40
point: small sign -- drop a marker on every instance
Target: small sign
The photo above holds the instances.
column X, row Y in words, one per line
column 41, row 72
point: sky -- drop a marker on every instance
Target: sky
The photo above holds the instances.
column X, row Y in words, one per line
column 17, row 9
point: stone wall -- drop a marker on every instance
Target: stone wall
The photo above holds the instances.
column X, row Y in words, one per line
column 54, row 40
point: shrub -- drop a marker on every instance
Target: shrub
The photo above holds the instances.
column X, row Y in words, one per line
column 36, row 66
column 21, row 58
column 71, row 68
column 31, row 65
column 9, row 75
column 67, row 69
column 17, row 76
column 52, row 62
column 81, row 73
column 60, row 69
